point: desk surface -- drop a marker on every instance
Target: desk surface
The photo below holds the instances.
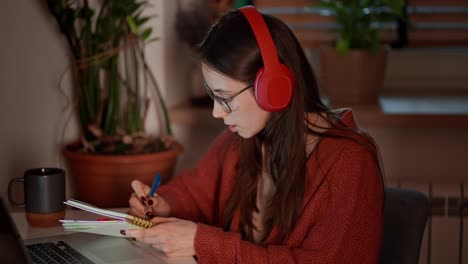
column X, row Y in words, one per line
column 28, row 232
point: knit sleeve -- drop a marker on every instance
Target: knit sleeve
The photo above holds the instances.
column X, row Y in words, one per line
column 191, row 195
column 347, row 230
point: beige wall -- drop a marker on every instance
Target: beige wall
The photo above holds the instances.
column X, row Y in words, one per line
column 32, row 58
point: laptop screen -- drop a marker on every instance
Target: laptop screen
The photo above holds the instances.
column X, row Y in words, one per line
column 12, row 249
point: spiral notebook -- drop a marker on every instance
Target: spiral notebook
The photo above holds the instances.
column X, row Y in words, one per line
column 111, row 226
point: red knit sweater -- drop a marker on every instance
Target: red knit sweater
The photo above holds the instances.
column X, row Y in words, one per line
column 340, row 220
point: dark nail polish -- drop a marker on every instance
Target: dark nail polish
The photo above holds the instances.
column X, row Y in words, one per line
column 122, row 232
column 143, row 199
column 134, row 239
column 150, row 214
column 150, row 202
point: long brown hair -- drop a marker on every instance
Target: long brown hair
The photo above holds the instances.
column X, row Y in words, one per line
column 230, row 48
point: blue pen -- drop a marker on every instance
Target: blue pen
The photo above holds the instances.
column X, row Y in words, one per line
column 154, row 187
column 156, row 182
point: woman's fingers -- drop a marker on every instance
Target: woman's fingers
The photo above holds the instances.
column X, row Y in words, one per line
column 153, row 201
column 144, row 206
column 136, row 207
column 173, row 236
column 141, row 190
column 142, row 235
column 139, row 200
column 158, row 220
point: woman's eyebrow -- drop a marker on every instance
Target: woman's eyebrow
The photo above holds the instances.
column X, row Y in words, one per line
column 217, row 90
column 220, row 90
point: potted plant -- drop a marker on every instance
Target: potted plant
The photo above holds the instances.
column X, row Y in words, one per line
column 353, row 72
column 114, row 92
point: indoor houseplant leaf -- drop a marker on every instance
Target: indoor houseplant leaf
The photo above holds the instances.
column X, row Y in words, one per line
column 359, row 21
column 114, row 89
column 108, row 49
column 353, row 72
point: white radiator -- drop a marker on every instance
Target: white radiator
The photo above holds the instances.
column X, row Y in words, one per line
column 445, row 239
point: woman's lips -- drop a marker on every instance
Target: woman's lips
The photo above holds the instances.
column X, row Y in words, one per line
column 232, row 128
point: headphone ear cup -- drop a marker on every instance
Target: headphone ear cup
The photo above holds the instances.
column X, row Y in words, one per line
column 274, row 89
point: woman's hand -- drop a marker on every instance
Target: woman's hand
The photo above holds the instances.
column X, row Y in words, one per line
column 144, row 207
column 175, row 237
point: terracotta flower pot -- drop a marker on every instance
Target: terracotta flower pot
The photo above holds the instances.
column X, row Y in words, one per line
column 104, row 180
column 353, row 79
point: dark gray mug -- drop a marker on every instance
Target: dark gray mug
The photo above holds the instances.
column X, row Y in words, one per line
column 44, row 194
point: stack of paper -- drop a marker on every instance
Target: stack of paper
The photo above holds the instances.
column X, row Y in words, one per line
column 111, row 227
column 108, row 228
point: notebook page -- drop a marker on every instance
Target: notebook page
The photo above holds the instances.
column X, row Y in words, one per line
column 96, row 210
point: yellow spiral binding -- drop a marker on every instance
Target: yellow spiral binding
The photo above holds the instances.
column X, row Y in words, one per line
column 140, row 222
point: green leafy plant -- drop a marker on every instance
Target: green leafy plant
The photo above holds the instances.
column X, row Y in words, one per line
column 359, row 21
column 113, row 80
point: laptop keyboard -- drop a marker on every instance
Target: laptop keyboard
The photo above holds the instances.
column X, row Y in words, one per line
column 59, row 252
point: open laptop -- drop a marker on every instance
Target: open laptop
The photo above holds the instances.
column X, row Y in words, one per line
column 74, row 247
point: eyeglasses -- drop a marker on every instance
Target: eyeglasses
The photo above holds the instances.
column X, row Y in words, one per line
column 224, row 102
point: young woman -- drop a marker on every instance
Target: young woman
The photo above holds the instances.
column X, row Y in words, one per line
column 296, row 183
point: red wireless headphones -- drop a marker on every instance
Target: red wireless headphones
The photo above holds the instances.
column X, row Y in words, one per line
column 274, row 83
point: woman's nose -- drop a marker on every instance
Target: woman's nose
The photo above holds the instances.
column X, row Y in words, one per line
column 218, row 111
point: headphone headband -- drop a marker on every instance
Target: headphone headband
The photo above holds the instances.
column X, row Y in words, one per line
column 263, row 37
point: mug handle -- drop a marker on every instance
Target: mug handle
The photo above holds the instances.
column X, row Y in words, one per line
column 10, row 195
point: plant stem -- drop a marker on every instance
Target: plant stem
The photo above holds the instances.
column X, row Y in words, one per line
column 112, row 114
